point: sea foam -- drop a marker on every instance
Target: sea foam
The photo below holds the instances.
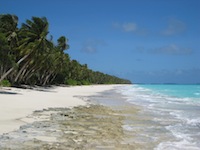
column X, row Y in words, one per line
column 174, row 110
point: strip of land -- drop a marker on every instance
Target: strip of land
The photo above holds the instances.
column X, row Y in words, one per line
column 16, row 104
column 81, row 117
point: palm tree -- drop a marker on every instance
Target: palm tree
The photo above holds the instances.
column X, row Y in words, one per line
column 4, row 50
column 9, row 40
column 27, row 56
column 8, row 26
column 62, row 43
column 34, row 43
column 34, row 36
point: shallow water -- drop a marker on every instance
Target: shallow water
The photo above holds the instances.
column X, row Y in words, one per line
column 169, row 118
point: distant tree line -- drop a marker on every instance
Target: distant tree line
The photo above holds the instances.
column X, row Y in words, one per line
column 29, row 56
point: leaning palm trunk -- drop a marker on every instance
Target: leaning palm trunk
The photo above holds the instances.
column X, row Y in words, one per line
column 11, row 69
column 46, row 81
column 20, row 71
column 27, row 71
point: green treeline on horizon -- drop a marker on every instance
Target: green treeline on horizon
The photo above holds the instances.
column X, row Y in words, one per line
column 28, row 55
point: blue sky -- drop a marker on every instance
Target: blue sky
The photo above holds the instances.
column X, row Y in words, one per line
column 145, row 41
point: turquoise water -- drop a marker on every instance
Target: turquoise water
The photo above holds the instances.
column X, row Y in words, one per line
column 175, row 113
column 181, row 91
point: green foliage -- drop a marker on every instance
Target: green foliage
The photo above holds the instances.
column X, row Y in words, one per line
column 74, row 82
column 71, row 82
column 28, row 56
column 5, row 83
column 84, row 82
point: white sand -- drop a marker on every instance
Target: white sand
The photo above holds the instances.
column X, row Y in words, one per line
column 16, row 104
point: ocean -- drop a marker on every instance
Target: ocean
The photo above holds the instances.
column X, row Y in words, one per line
column 169, row 117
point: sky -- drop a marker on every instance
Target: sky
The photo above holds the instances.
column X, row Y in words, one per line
column 145, row 41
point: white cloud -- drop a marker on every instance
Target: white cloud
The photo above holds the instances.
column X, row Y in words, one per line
column 179, row 75
column 91, row 46
column 129, row 27
column 89, row 49
column 174, row 27
column 126, row 27
column 172, row 49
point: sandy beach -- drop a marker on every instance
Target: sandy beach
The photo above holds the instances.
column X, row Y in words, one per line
column 110, row 117
column 80, row 117
column 17, row 104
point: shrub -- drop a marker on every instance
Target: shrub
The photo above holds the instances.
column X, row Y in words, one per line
column 84, row 82
column 79, row 83
column 5, row 83
column 71, row 82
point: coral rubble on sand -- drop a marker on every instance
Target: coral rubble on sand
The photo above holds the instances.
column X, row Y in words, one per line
column 93, row 127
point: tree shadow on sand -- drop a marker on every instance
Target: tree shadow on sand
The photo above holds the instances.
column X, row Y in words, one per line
column 6, row 92
column 36, row 88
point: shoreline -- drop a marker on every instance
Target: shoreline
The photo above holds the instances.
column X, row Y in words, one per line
column 17, row 104
column 115, row 117
column 95, row 125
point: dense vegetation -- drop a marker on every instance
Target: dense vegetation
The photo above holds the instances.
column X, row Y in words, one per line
column 28, row 55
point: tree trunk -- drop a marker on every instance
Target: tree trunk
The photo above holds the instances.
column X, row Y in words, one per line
column 20, row 71
column 46, row 79
column 11, row 69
